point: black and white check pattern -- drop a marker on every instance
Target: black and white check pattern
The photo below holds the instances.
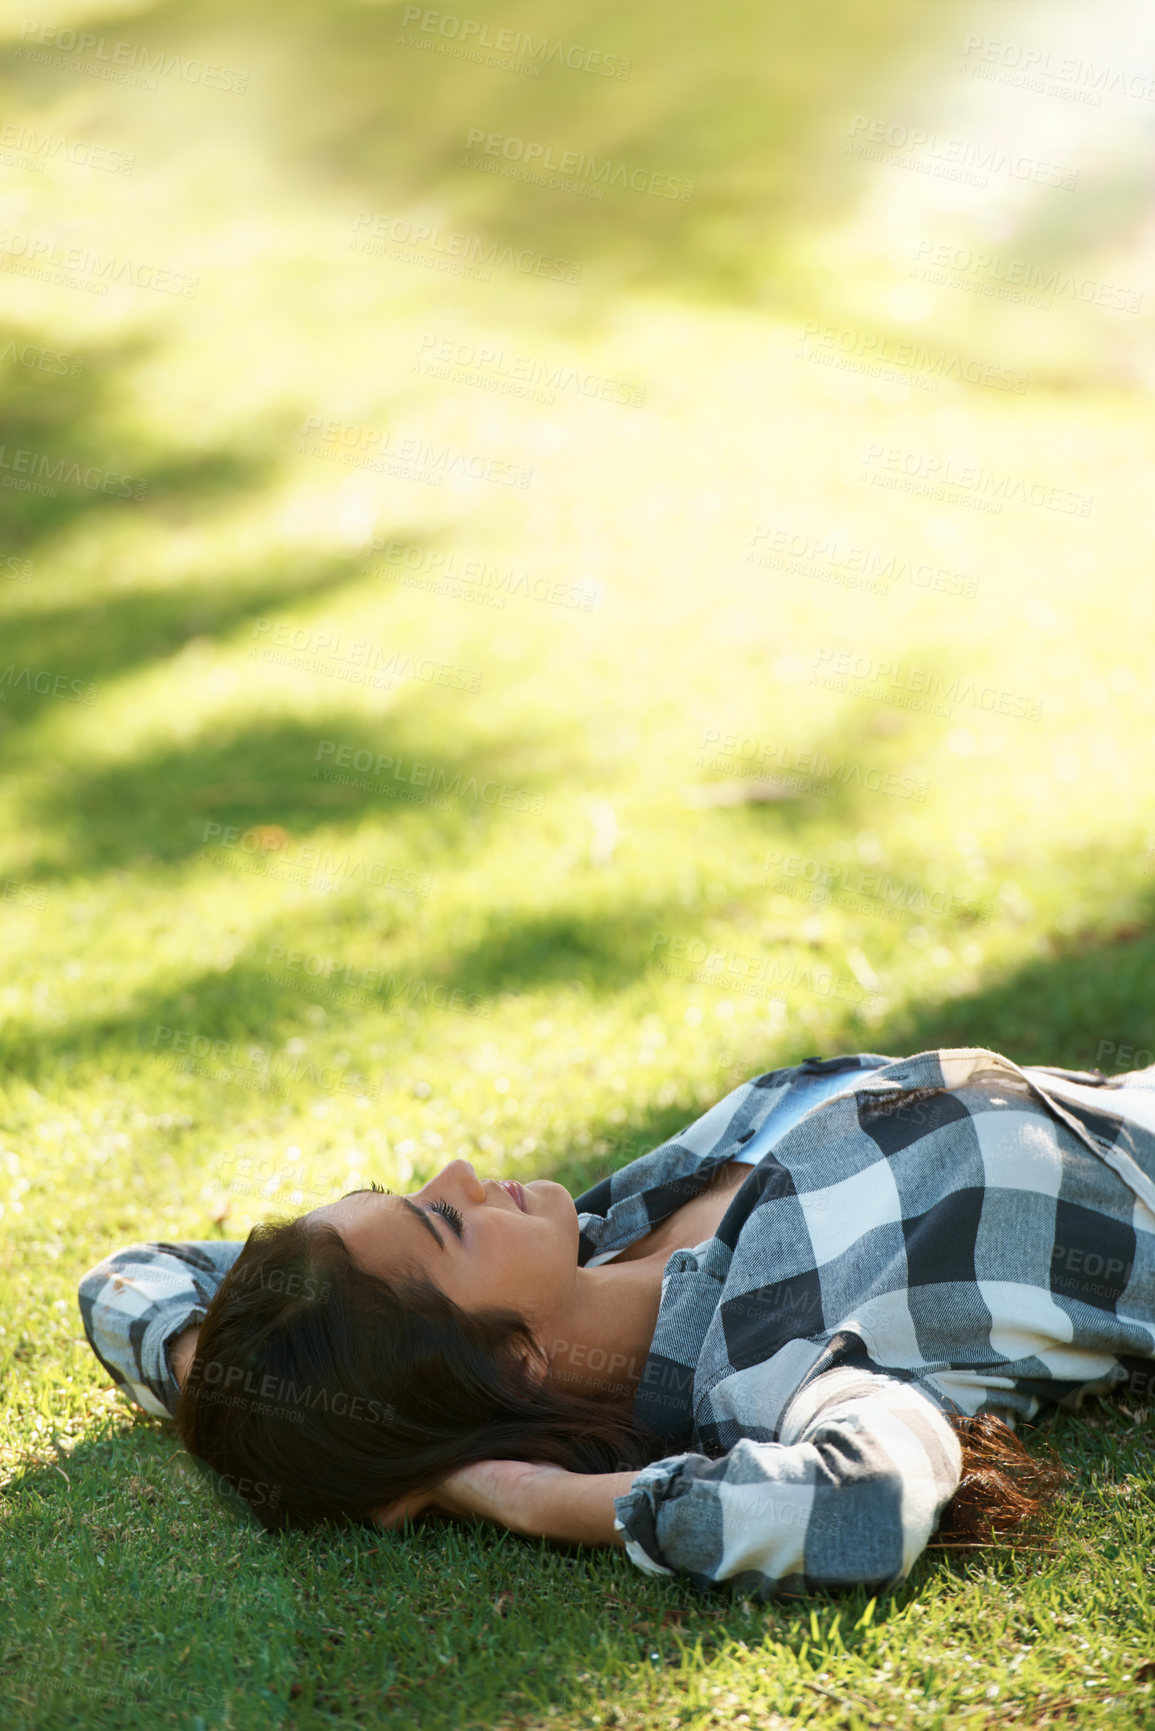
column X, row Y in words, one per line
column 948, row 1237
column 135, row 1302
column 952, row 1235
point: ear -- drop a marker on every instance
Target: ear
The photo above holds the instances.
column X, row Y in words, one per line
column 529, row 1359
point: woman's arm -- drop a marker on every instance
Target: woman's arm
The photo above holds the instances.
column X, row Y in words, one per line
column 537, row 1502
column 576, row 1508
column 849, row 1496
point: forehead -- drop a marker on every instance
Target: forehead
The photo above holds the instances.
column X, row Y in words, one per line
column 362, row 1212
column 374, row 1227
column 347, row 1209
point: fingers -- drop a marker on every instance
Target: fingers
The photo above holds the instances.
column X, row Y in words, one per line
column 386, row 1517
column 182, row 1351
column 391, row 1516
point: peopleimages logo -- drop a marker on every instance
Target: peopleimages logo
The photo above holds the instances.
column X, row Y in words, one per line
column 948, row 478
column 833, row 341
column 24, row 147
column 228, row 1061
column 421, row 775
column 122, row 58
column 293, row 1399
column 41, row 360
column 22, row 894
column 830, row 559
column 254, row 1493
column 113, row 1681
column 44, row 684
column 409, row 240
column 41, row 471
column 82, row 267
column 468, row 36
column 1124, row 1057
column 1006, row 278
column 363, row 987
column 881, row 679
column 270, row 851
column 475, row 579
column 408, row 458
column 537, row 160
column 488, row 367
column 692, row 959
column 1036, row 68
column 960, row 159
column 357, row 658
column 801, row 769
column 839, row 884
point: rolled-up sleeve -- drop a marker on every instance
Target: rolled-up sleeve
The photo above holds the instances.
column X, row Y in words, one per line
column 850, row 1494
column 136, row 1302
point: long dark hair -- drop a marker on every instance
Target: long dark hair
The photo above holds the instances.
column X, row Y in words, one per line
column 320, row 1392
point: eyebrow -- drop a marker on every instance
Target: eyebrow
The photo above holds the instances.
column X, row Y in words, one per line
column 419, row 1213
column 425, row 1221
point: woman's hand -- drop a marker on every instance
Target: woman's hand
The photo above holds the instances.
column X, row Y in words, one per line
column 536, row 1501
column 487, row 1490
column 394, row 1515
column 182, row 1351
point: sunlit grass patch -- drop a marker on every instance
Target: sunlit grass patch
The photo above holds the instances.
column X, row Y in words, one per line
column 399, row 809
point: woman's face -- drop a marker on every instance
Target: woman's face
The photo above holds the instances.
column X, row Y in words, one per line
column 486, row 1243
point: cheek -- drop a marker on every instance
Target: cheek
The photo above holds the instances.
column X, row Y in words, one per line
column 527, row 1269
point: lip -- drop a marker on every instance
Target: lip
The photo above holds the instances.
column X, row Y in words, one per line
column 516, row 1191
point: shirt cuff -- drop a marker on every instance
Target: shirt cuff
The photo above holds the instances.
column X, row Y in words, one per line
column 135, row 1302
column 635, row 1514
column 637, row 1555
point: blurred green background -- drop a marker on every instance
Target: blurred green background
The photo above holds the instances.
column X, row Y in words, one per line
column 490, row 662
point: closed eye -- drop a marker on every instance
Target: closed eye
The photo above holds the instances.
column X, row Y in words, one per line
column 446, row 1210
column 450, row 1214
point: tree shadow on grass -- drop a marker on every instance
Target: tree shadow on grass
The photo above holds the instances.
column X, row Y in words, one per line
column 707, row 139
column 68, row 455
column 366, row 964
column 687, row 132
column 1087, row 1004
column 53, row 413
column 436, row 793
column 123, row 631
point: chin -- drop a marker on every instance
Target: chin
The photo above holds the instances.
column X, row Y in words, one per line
column 549, row 1195
column 554, row 1201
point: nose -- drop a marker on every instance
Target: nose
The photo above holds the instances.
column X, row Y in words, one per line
column 460, row 1176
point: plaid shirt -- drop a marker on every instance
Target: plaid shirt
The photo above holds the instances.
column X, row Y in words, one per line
column 951, row 1236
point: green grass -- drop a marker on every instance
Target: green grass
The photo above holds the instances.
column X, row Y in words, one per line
column 551, row 984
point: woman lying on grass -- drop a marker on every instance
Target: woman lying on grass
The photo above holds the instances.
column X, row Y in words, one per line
column 770, row 1353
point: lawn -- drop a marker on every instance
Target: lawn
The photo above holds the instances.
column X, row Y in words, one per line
column 488, row 666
